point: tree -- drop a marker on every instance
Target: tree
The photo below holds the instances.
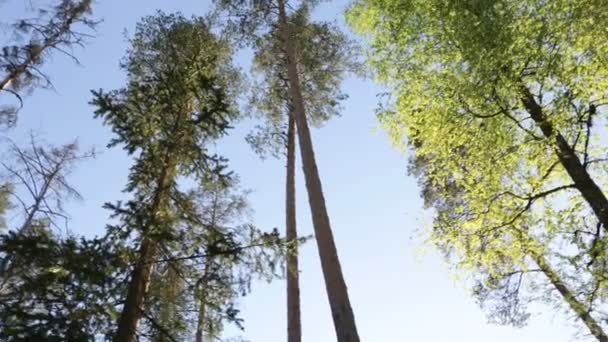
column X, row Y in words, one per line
column 49, row 288
column 325, row 55
column 52, row 29
column 499, row 101
column 253, row 19
column 174, row 104
column 36, row 182
column 53, row 291
column 211, row 266
column 224, row 277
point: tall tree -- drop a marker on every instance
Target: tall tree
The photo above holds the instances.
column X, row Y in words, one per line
column 253, row 19
column 344, row 319
column 55, row 28
column 499, row 100
column 325, row 55
column 174, row 104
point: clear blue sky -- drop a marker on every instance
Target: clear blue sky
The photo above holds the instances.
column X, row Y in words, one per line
column 398, row 293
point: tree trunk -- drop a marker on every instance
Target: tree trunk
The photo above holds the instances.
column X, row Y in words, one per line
column 294, row 327
column 342, row 313
column 590, row 191
column 138, row 288
column 200, row 326
column 576, row 306
column 139, row 284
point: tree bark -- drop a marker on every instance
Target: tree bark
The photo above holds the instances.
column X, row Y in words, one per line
column 200, row 326
column 294, row 325
column 138, row 288
column 139, row 284
column 342, row 313
column 583, row 182
column 576, row 306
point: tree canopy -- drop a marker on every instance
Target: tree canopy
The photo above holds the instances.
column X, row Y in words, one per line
column 502, row 103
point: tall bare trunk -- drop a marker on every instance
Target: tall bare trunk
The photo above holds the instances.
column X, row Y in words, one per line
column 576, row 306
column 343, row 317
column 294, row 325
column 583, row 182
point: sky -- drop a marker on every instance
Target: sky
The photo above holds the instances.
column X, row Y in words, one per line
column 400, row 289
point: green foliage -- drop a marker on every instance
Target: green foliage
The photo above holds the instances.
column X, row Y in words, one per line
column 458, row 71
column 213, row 264
column 58, row 289
column 325, row 56
column 177, row 101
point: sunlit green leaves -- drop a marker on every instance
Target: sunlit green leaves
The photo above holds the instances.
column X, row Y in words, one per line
column 456, row 70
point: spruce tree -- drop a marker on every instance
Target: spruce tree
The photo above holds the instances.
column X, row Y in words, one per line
column 174, row 104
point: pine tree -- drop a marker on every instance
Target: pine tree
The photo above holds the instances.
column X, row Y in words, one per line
column 325, row 55
column 252, row 20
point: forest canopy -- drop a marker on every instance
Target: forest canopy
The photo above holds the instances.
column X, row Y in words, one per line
column 137, row 202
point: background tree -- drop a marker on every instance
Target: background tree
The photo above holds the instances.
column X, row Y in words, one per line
column 35, row 181
column 211, row 266
column 49, row 288
column 500, row 101
column 56, row 28
column 253, row 20
column 325, row 55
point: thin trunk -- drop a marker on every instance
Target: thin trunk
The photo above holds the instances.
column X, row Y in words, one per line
column 40, row 197
column 576, row 306
column 294, row 326
column 342, row 313
column 590, row 191
column 202, row 283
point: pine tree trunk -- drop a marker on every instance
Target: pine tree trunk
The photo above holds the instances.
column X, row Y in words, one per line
column 342, row 313
column 583, row 182
column 576, row 306
column 294, row 327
